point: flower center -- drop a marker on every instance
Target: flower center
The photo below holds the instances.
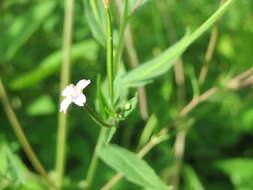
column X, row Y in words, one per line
column 75, row 93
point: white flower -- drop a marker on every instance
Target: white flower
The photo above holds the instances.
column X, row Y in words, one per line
column 74, row 94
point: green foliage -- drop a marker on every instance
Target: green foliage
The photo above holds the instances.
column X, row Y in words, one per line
column 135, row 169
column 14, row 174
column 51, row 64
column 148, row 130
column 135, row 4
column 41, row 106
column 239, row 170
column 148, row 71
column 191, row 179
column 21, row 29
column 94, row 16
column 30, row 61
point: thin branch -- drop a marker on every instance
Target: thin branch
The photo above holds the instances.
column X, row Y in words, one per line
column 244, row 74
column 196, row 100
column 210, row 50
column 230, row 86
column 65, row 75
column 179, row 154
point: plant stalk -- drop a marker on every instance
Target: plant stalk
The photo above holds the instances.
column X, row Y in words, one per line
column 94, row 160
column 65, row 75
column 96, row 118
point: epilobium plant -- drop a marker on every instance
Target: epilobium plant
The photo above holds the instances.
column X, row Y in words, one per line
column 112, row 102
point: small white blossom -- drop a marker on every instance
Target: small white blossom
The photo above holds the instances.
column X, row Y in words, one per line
column 74, row 94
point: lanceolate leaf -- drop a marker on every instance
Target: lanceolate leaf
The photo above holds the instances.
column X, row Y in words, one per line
column 146, row 72
column 134, row 168
column 155, row 67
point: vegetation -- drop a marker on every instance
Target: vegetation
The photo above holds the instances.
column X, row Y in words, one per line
column 169, row 105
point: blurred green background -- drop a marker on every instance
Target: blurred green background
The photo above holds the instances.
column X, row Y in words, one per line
column 218, row 152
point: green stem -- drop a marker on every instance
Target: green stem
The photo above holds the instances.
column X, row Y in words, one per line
column 94, row 159
column 21, row 136
column 109, row 52
column 92, row 114
column 96, row 118
column 65, row 73
column 119, row 49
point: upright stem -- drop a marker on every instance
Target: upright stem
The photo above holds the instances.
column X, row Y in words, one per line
column 94, row 159
column 21, row 135
column 210, row 51
column 65, row 73
column 109, row 51
column 179, row 155
column 110, row 76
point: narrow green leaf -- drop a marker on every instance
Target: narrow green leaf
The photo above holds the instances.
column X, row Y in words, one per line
column 22, row 28
column 146, row 72
column 120, row 92
column 86, row 49
column 189, row 70
column 191, row 179
column 100, row 101
column 134, row 168
column 148, row 130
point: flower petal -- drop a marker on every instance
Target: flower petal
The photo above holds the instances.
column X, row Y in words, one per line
column 82, row 84
column 80, row 100
column 65, row 104
column 70, row 89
